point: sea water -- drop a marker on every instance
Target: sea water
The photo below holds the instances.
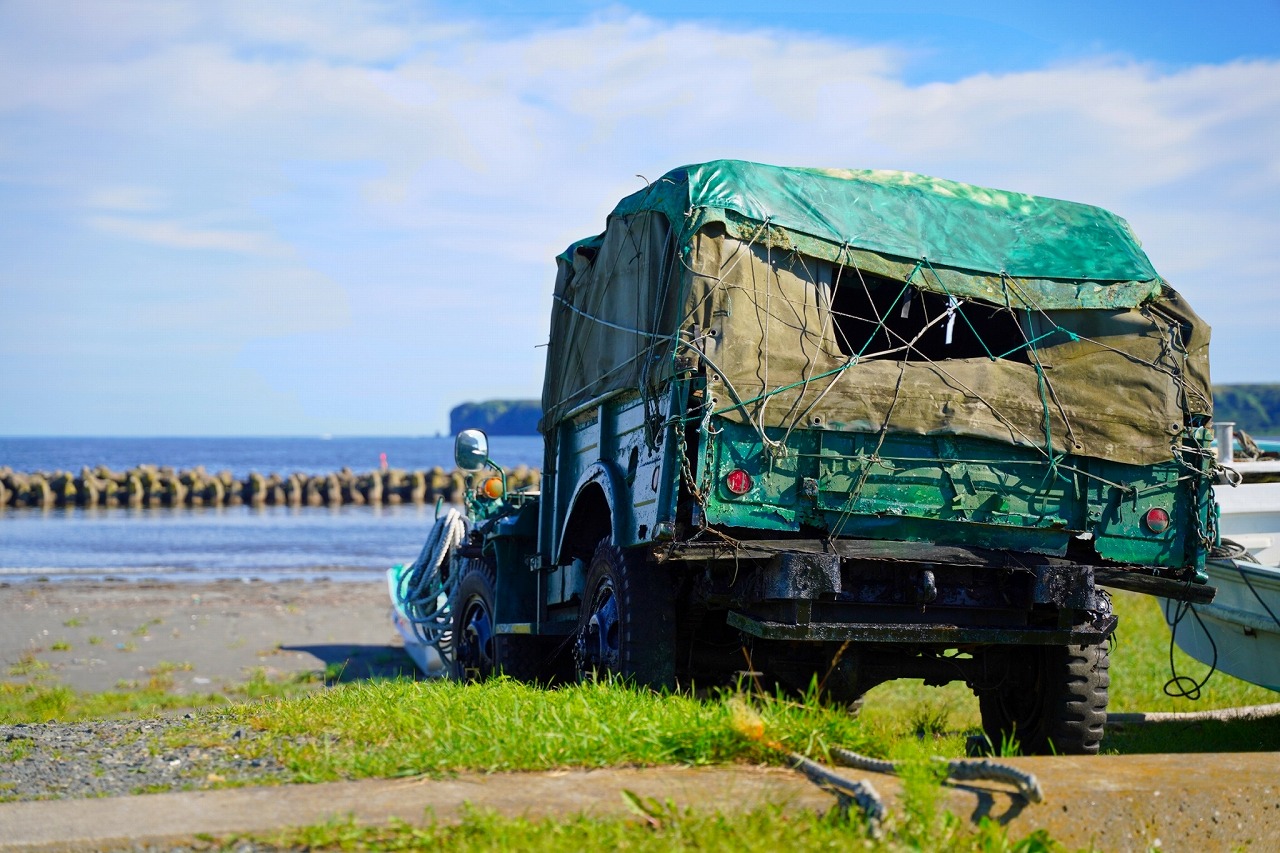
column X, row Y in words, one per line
column 203, row 543
column 267, row 455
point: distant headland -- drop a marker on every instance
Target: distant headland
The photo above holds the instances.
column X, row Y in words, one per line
column 1254, row 408
column 497, row 417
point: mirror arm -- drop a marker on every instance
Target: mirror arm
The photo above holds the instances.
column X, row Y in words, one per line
column 501, row 473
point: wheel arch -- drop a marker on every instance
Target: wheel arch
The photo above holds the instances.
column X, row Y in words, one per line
column 601, row 507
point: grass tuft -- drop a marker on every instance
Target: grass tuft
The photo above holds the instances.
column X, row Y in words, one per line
column 28, row 664
column 651, row 827
column 38, row 702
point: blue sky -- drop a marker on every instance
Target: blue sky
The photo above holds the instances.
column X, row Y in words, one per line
column 306, row 218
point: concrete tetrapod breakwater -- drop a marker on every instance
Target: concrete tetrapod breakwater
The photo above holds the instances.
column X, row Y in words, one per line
column 157, row 486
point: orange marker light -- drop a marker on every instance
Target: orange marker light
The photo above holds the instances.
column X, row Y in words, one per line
column 492, row 488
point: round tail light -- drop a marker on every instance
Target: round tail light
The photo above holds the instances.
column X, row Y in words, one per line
column 1157, row 520
column 738, row 481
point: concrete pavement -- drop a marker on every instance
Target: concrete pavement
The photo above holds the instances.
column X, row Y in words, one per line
column 1132, row 802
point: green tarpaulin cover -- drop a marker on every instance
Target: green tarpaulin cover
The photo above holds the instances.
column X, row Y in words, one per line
column 1083, row 347
column 1061, row 249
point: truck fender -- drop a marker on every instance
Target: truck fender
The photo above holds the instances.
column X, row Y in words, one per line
column 601, row 488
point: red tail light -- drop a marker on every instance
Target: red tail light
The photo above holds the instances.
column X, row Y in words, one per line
column 738, row 481
column 1157, row 520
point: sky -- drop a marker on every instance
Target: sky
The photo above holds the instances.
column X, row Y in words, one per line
column 284, row 218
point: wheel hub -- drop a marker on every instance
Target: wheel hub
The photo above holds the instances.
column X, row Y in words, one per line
column 475, row 646
column 597, row 646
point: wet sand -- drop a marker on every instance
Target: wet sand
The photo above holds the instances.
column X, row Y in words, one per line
column 95, row 636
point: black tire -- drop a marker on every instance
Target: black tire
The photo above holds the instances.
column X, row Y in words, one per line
column 1051, row 700
column 626, row 626
column 474, row 641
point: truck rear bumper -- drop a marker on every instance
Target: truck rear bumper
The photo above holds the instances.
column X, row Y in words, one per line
column 897, row 552
column 923, row 634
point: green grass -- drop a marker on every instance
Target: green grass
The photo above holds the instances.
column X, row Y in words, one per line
column 259, row 685
column 14, row 750
column 165, row 667
column 942, row 716
column 1139, row 671
column 399, row 728
column 392, row 728
column 38, row 702
column 42, row 699
column 28, row 664
column 387, row 728
column 1140, row 666
column 655, row 827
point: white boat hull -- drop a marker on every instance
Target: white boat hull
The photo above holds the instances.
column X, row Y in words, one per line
column 1250, row 515
column 1235, row 632
column 424, row 655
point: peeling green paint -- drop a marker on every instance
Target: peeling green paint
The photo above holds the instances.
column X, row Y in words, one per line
column 948, row 490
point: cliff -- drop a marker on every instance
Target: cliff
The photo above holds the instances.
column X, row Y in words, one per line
column 497, row 417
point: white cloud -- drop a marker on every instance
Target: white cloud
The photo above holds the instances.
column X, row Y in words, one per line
column 351, row 30
column 423, row 173
column 258, row 302
column 1113, row 130
column 174, row 235
column 125, row 199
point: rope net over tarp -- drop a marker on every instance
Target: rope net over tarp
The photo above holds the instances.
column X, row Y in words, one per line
column 875, row 301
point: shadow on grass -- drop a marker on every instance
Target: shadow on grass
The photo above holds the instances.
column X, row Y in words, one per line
column 345, row 662
column 1208, row 736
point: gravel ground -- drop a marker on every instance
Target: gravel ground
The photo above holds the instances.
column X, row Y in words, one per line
column 218, row 633
column 119, row 757
column 96, row 636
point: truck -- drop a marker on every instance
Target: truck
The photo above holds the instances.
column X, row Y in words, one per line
column 827, row 428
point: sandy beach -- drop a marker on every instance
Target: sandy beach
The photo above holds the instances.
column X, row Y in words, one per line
column 95, row 636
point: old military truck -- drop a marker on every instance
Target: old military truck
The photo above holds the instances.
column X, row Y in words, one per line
column 839, row 427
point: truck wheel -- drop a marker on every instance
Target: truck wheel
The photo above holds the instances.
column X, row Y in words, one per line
column 473, row 638
column 1053, row 699
column 626, row 626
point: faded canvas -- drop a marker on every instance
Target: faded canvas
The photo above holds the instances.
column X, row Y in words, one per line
column 797, row 331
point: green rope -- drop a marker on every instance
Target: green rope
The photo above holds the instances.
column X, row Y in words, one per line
column 1031, row 343
column 1042, row 382
column 959, row 310
column 906, row 285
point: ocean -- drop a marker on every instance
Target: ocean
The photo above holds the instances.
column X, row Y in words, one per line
column 240, row 456
column 195, row 544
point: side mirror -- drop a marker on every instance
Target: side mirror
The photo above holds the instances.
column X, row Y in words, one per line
column 471, row 450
